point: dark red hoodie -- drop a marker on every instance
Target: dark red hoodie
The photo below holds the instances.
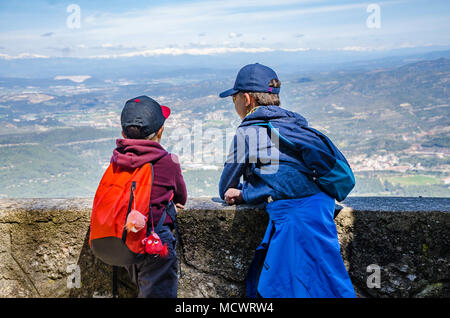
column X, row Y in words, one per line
column 167, row 177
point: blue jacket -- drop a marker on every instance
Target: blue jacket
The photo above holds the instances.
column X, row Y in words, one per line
column 299, row 256
column 268, row 169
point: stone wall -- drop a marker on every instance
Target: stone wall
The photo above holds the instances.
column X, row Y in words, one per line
column 43, row 242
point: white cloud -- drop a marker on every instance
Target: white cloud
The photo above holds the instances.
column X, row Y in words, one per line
column 233, row 35
column 188, row 51
column 89, row 19
column 106, row 45
column 22, row 56
column 195, row 49
column 198, row 51
column 301, row 49
column 355, row 49
column 74, row 78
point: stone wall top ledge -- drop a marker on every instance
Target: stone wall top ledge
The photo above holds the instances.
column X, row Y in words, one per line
column 366, row 204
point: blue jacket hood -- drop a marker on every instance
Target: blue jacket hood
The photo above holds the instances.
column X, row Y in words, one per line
column 274, row 114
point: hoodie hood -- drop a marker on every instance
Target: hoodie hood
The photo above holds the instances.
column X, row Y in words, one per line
column 274, row 114
column 133, row 153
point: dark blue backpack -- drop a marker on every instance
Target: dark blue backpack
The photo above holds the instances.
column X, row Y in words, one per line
column 322, row 159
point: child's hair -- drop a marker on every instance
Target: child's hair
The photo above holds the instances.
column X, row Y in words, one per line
column 266, row 99
column 134, row 132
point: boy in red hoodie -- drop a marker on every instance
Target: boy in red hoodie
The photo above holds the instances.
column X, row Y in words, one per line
column 142, row 121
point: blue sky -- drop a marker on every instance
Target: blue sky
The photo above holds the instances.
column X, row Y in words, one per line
column 144, row 28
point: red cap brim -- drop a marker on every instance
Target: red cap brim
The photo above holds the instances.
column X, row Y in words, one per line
column 165, row 111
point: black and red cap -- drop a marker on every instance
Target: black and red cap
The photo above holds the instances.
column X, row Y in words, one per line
column 145, row 113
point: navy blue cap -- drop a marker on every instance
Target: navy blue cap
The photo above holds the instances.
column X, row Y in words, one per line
column 145, row 113
column 253, row 78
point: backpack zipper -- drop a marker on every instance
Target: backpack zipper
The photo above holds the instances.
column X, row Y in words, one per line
column 130, row 204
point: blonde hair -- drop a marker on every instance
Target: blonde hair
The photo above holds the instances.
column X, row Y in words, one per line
column 266, row 99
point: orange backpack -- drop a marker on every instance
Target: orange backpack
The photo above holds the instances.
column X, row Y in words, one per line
column 120, row 190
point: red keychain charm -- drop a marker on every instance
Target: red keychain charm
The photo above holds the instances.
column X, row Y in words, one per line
column 153, row 245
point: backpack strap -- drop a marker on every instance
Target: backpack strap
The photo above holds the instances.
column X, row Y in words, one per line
column 172, row 211
column 130, row 202
column 161, row 221
column 289, row 144
column 115, row 291
column 271, row 128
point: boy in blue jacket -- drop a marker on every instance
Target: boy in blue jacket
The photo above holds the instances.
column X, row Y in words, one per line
column 299, row 255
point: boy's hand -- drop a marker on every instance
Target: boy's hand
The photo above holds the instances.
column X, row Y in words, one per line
column 233, row 196
column 179, row 206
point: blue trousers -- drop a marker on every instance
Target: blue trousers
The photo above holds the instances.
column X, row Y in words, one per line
column 299, row 256
column 156, row 277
